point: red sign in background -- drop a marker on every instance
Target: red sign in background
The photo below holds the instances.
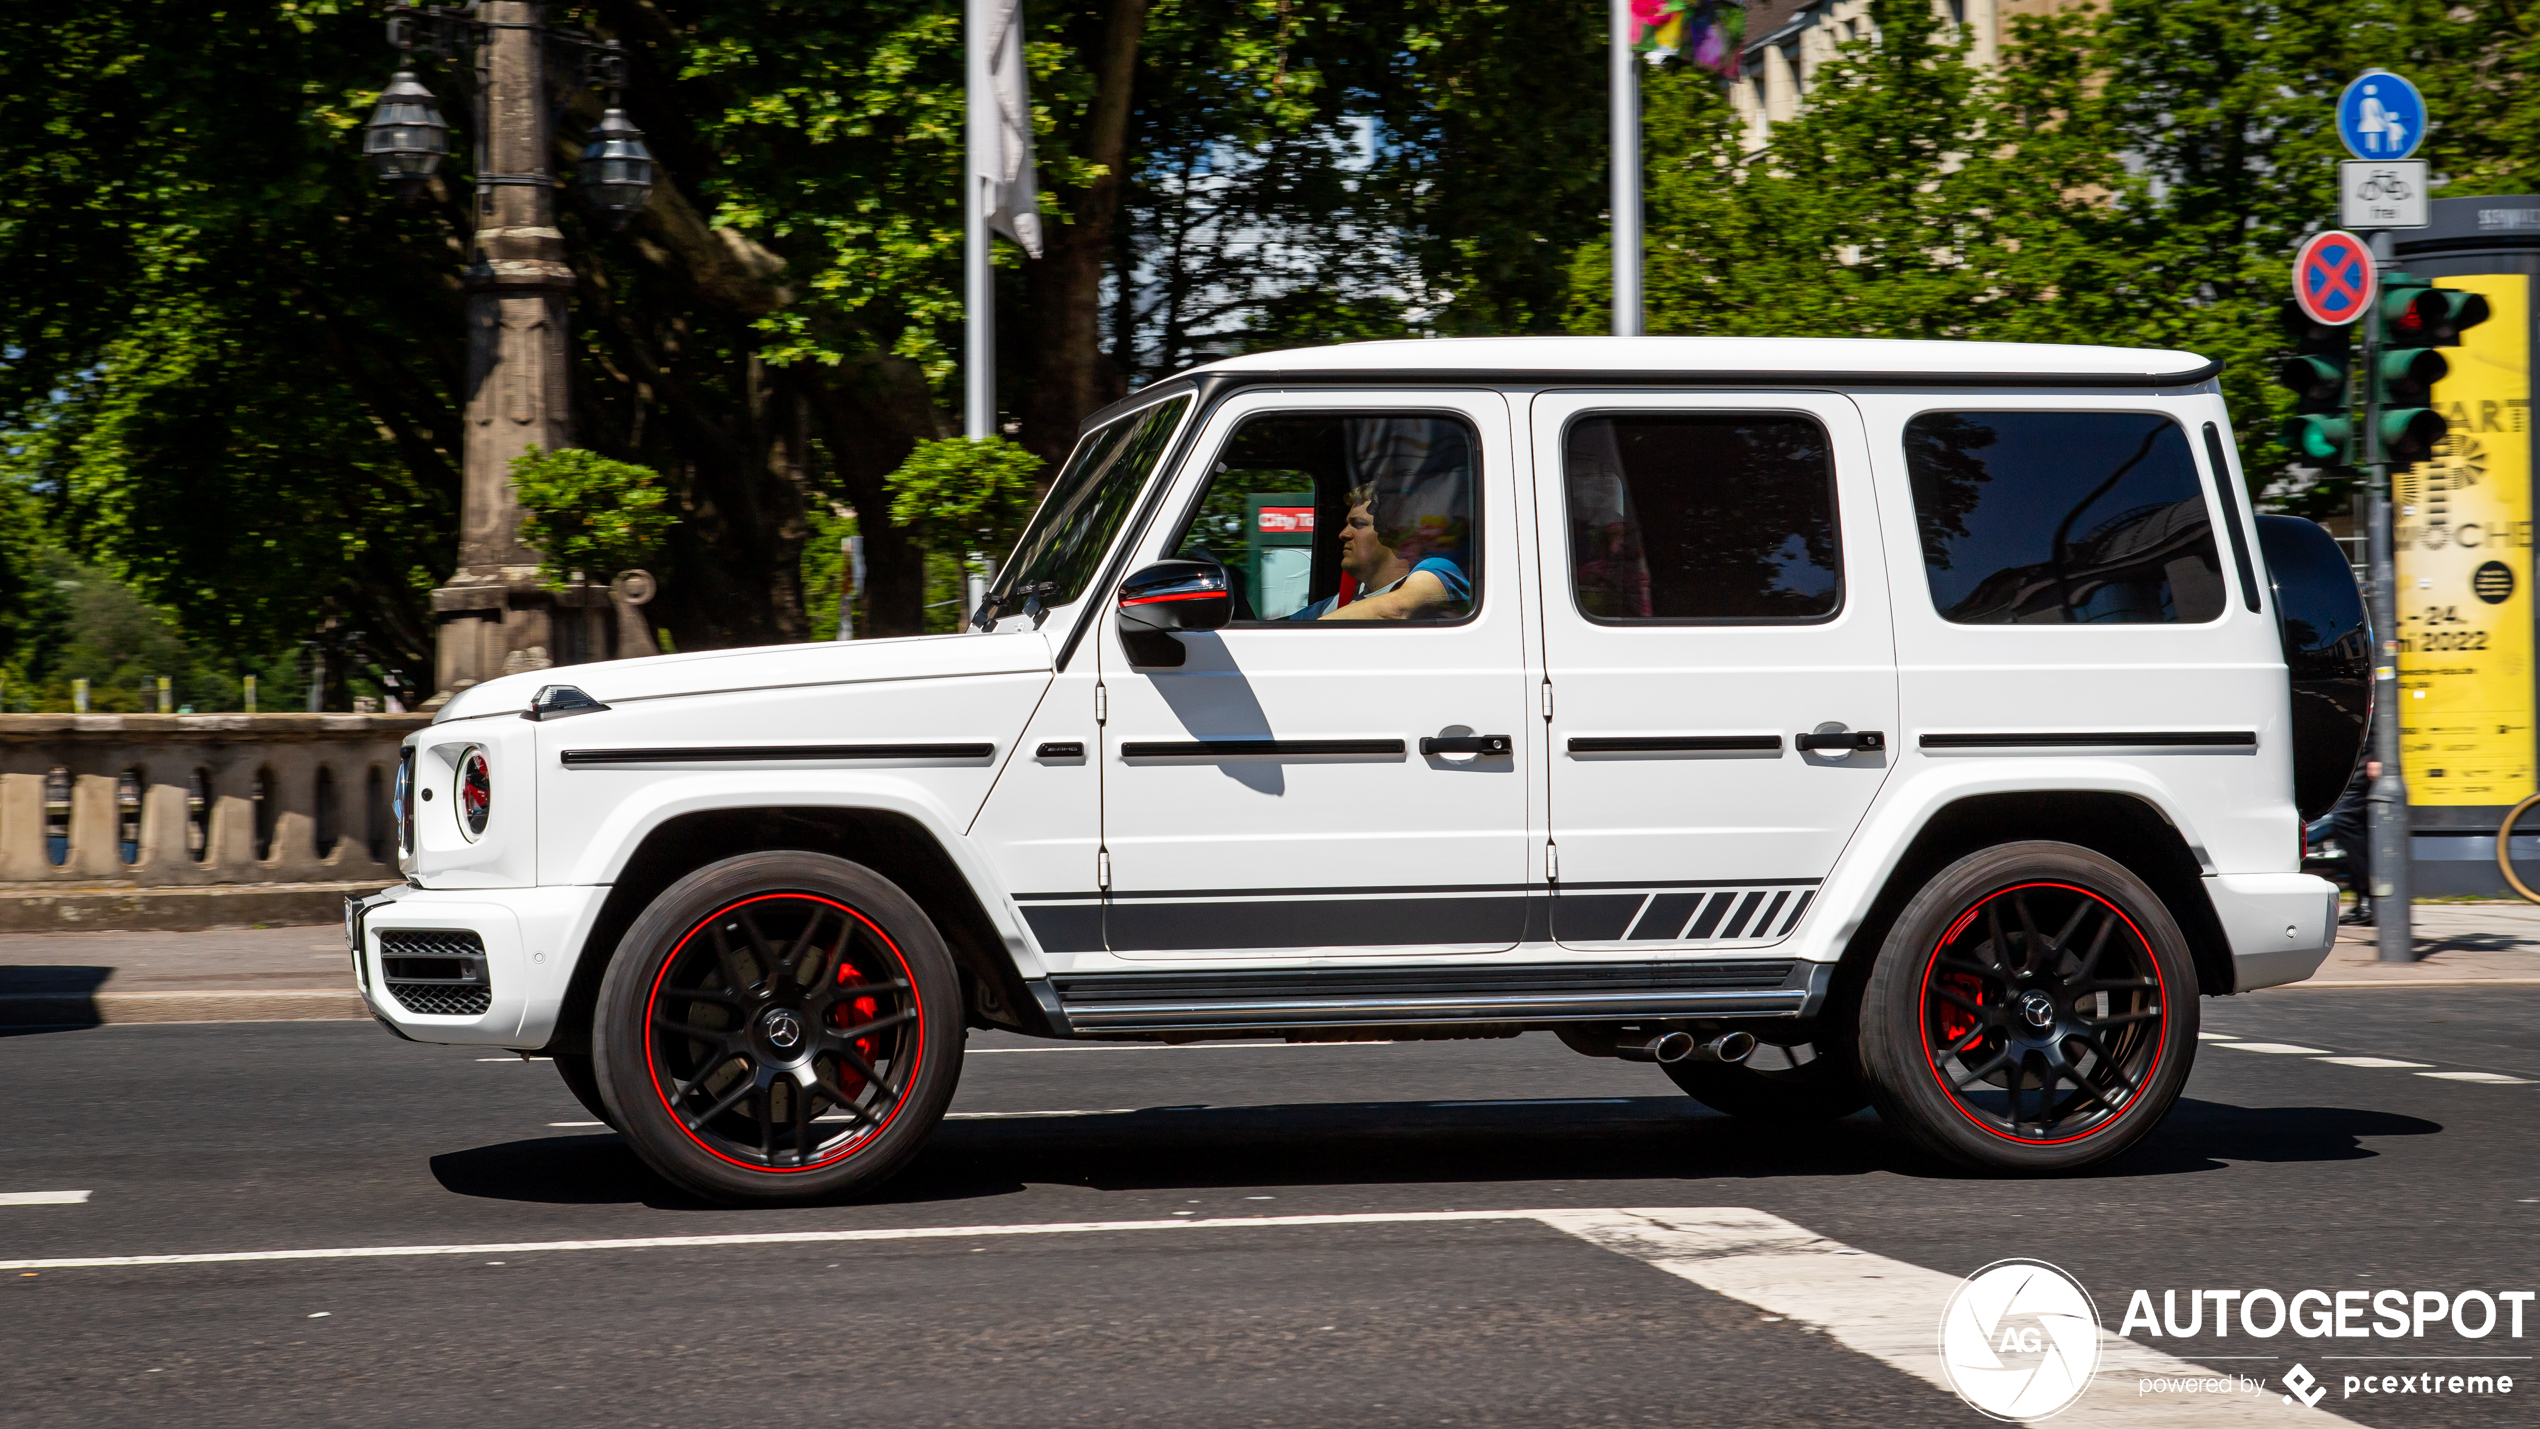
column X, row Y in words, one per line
column 2333, row 277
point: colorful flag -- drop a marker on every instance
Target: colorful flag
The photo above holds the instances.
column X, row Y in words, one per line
column 1703, row 32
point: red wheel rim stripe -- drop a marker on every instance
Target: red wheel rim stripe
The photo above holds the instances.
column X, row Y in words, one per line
column 1922, row 1016
column 907, row 1080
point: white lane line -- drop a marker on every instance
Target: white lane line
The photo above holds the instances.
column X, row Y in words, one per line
column 672, row 1242
column 2490, row 1078
column 1883, row 1308
column 43, row 1198
column 1558, row 1101
column 577, row 1123
column 2372, row 1062
column 1162, row 1047
column 2281, row 1049
column 1021, row 1115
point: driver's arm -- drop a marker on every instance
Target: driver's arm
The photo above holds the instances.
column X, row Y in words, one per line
column 1423, row 592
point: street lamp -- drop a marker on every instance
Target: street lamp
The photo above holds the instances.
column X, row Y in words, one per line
column 406, row 137
column 617, row 170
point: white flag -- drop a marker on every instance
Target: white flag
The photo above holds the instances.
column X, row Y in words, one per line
column 1013, row 188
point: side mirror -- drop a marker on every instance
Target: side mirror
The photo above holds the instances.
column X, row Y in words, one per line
column 1176, row 595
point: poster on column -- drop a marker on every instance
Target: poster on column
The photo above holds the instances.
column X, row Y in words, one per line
column 2464, row 550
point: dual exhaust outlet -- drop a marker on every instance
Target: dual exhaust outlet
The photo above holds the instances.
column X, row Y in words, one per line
column 1663, row 1047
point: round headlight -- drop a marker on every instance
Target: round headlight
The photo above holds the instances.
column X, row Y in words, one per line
column 476, row 792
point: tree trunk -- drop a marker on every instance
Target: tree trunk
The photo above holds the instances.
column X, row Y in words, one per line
column 1071, row 374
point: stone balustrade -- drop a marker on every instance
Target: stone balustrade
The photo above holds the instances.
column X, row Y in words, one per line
column 197, row 801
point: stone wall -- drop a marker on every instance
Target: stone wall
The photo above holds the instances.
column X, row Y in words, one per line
column 197, row 801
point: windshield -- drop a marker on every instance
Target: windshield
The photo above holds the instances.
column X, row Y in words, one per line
column 1084, row 508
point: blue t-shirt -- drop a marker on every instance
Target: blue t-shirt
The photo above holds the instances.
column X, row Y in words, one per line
column 1449, row 574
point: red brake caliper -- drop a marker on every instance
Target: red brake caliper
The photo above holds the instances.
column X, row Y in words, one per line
column 1957, row 1022
column 862, row 1009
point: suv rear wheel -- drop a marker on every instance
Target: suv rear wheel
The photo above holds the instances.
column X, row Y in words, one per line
column 2033, row 1009
column 779, row 1026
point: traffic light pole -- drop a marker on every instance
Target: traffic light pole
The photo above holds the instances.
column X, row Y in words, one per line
column 2387, row 802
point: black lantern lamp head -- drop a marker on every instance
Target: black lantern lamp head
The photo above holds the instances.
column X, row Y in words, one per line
column 617, row 170
column 406, row 137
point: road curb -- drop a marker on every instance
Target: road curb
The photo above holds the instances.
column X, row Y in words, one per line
column 95, row 1009
column 176, row 910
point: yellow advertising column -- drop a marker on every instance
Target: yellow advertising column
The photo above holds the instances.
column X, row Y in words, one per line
column 2464, row 555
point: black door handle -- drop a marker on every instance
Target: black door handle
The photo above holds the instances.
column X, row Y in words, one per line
column 1847, row 740
column 1469, row 744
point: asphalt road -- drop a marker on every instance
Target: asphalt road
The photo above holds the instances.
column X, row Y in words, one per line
column 2279, row 1169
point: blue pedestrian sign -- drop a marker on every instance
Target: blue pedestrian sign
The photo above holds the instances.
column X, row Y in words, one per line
column 2381, row 116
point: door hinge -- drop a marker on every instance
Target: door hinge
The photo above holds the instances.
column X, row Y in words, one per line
column 1102, row 868
column 1547, row 699
column 1552, row 863
column 1102, row 705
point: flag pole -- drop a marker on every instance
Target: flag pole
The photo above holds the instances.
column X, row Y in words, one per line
column 1623, row 74
column 978, row 279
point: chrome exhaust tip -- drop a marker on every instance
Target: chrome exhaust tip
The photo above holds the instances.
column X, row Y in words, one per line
column 1729, row 1047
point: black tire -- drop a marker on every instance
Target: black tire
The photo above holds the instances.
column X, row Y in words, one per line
column 575, row 1068
column 1821, row 1089
column 779, row 1027
column 2032, row 1011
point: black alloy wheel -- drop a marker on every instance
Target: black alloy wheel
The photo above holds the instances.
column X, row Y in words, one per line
column 780, row 1026
column 2034, row 1009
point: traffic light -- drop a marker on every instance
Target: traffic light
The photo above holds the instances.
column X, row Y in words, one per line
column 2416, row 318
column 2320, row 433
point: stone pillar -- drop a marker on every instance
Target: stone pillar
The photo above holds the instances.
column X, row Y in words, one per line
column 494, row 617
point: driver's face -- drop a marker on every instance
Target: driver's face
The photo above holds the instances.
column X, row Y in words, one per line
column 1362, row 555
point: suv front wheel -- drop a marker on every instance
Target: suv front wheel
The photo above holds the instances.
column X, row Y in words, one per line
column 779, row 1026
column 2032, row 1010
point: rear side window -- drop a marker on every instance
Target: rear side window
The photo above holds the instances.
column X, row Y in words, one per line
column 1718, row 517
column 2062, row 518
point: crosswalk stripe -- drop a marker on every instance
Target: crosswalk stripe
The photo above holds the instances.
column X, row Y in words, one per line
column 1888, row 1309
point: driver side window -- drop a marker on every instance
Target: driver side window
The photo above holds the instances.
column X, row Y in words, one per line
column 1329, row 517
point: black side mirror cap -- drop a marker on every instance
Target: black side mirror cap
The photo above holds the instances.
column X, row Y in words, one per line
column 1176, row 595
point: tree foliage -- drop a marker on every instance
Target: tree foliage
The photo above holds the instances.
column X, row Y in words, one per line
column 962, row 495
column 585, row 512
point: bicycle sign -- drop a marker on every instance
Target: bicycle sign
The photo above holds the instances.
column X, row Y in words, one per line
column 2382, row 193
column 2333, row 278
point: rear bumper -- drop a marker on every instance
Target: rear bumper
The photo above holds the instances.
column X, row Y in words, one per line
column 2281, row 925
column 529, row 937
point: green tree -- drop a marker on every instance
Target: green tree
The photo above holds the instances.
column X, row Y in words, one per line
column 588, row 513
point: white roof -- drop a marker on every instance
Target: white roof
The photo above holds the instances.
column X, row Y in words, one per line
column 1696, row 355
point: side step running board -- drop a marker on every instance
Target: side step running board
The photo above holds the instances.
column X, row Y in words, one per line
column 1355, row 997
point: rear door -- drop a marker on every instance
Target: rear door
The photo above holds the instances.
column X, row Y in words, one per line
column 1715, row 599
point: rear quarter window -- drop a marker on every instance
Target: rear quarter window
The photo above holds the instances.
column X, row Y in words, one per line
column 2062, row 518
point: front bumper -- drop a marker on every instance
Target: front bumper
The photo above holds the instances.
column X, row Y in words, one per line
column 2281, row 925
column 530, row 939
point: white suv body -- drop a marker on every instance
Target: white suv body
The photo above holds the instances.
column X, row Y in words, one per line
column 1243, row 834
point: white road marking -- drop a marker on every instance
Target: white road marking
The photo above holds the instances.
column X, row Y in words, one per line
column 577, row 1123
column 2492, row 1078
column 1020, row 1115
column 1884, row 1308
column 2372, row 1062
column 1160, row 1047
column 2282, row 1049
column 1559, row 1101
column 43, row 1198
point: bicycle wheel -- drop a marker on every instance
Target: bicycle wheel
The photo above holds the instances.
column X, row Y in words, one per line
column 2504, row 848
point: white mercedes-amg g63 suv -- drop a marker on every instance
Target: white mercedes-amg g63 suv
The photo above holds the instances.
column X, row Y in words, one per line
column 1832, row 723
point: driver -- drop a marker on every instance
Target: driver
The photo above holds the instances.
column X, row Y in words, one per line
column 1396, row 579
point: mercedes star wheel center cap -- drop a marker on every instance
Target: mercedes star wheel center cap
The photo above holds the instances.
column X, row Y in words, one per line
column 2038, row 1009
column 784, row 1029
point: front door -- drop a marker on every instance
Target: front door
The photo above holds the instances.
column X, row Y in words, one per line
column 1284, row 789
column 1722, row 670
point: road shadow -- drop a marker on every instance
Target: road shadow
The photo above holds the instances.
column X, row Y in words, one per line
column 47, row 997
column 1398, row 1143
column 2472, row 943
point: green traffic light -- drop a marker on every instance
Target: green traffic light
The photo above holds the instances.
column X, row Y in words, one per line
column 2323, row 440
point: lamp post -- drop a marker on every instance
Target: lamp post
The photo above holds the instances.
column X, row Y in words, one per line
column 495, row 617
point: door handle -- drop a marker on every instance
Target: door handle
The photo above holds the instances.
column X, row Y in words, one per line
column 1469, row 744
column 1850, row 741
